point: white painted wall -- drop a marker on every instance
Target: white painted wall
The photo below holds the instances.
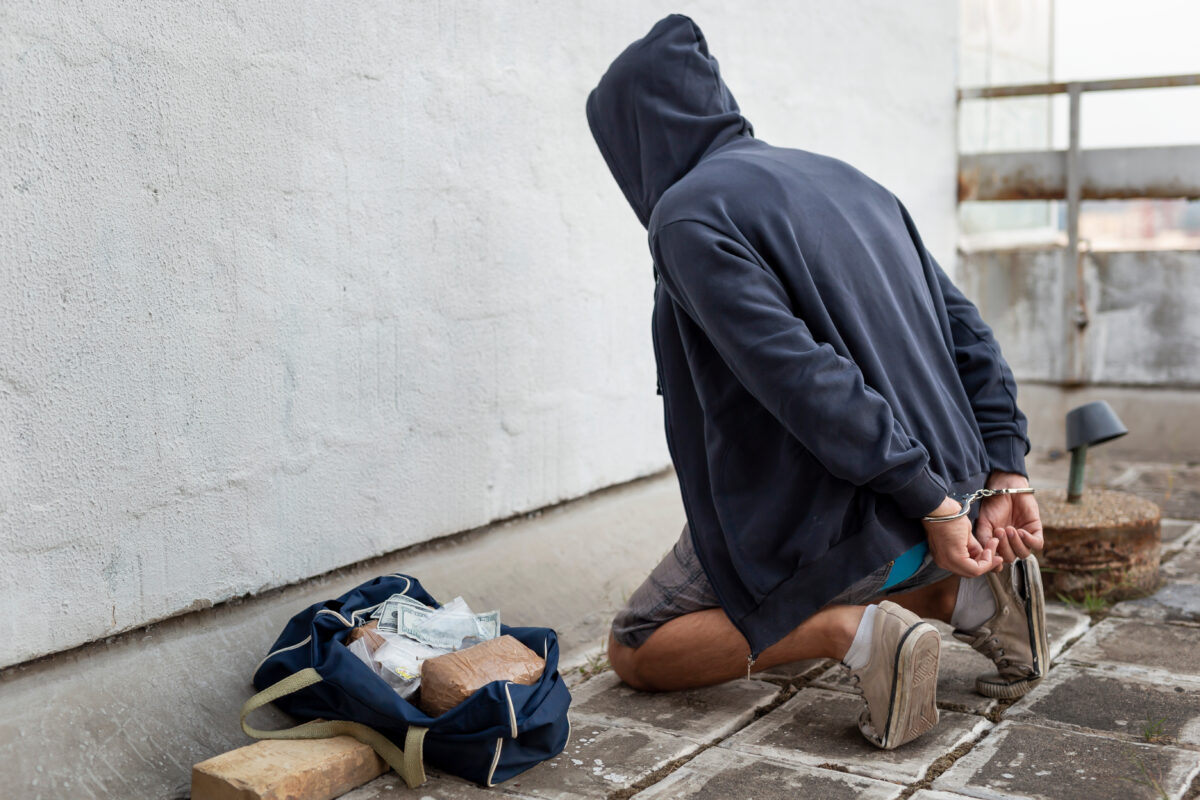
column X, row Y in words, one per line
column 283, row 289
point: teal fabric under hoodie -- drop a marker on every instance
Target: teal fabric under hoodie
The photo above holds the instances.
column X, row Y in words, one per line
column 824, row 383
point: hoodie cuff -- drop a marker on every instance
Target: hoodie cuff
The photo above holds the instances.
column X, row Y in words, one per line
column 1007, row 453
column 921, row 495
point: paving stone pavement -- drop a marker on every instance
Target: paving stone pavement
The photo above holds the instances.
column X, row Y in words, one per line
column 1036, row 763
column 818, row 727
column 1117, row 717
column 702, row 715
column 1123, row 704
column 1138, row 645
column 1177, row 533
column 719, row 775
column 1183, row 566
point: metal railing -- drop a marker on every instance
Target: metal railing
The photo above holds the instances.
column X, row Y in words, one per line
column 1075, row 174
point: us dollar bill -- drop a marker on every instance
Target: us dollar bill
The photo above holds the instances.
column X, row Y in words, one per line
column 447, row 631
column 396, row 598
column 388, row 613
column 488, row 624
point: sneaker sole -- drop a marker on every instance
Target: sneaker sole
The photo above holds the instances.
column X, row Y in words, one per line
column 1035, row 614
column 913, row 708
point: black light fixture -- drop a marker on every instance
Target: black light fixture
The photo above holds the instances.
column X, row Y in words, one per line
column 1088, row 425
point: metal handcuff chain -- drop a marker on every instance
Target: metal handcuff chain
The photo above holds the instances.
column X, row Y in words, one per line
column 971, row 497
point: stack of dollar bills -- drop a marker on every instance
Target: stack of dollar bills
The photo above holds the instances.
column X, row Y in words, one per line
column 447, row 628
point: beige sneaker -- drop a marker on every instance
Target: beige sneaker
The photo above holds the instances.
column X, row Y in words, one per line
column 1015, row 637
column 899, row 683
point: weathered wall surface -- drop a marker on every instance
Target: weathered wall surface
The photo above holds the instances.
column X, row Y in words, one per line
column 1143, row 327
column 283, row 289
column 1140, row 348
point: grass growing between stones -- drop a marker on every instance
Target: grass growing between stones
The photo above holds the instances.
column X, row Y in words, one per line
column 938, row 767
column 596, row 664
column 1094, row 605
column 1146, row 779
column 1154, row 731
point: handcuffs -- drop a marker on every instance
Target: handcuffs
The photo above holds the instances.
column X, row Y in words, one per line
column 970, row 497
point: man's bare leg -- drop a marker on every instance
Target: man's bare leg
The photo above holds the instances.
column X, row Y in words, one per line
column 704, row 648
column 935, row 601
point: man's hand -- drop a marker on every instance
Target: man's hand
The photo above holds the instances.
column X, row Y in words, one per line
column 954, row 547
column 1010, row 523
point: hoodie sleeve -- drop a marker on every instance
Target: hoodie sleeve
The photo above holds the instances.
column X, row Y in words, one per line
column 987, row 379
column 818, row 395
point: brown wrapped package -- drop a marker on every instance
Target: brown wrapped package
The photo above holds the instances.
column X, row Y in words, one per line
column 448, row 680
column 368, row 632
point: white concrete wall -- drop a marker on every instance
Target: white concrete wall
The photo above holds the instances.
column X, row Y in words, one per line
column 286, row 288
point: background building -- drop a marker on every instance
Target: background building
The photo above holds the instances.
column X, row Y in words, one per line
column 1121, row 323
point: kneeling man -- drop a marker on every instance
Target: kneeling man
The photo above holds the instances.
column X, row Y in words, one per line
column 827, row 391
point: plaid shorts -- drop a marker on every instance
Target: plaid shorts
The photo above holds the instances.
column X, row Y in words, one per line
column 678, row 586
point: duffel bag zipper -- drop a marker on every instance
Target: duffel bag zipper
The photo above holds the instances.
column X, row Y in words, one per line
column 349, row 623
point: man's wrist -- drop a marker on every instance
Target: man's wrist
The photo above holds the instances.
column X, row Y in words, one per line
column 948, row 506
column 1007, row 480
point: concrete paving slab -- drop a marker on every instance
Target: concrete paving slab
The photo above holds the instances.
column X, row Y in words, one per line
column 1139, row 645
column 1130, row 706
column 583, row 665
column 719, row 774
column 598, row 760
column 439, row 786
column 1063, row 625
column 931, row 794
column 701, row 715
column 1183, row 566
column 835, row 679
column 1175, row 602
column 1175, row 487
column 1178, row 533
column 818, row 727
column 796, row 669
column 957, row 669
column 1017, row 761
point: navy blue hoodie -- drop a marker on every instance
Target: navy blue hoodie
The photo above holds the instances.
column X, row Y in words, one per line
column 824, row 383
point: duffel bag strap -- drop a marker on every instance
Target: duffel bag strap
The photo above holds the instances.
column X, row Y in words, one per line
column 406, row 762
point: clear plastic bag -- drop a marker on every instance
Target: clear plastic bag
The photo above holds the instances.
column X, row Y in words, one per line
column 400, row 660
column 452, row 627
column 362, row 652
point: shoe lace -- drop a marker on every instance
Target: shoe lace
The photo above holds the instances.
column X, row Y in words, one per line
column 992, row 648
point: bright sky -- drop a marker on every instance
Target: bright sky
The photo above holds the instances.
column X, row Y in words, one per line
column 1117, row 39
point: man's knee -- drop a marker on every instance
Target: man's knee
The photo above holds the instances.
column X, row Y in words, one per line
column 624, row 661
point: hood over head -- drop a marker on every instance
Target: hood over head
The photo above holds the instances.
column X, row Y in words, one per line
column 659, row 109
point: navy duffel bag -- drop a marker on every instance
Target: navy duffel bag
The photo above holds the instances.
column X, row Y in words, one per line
column 500, row 731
